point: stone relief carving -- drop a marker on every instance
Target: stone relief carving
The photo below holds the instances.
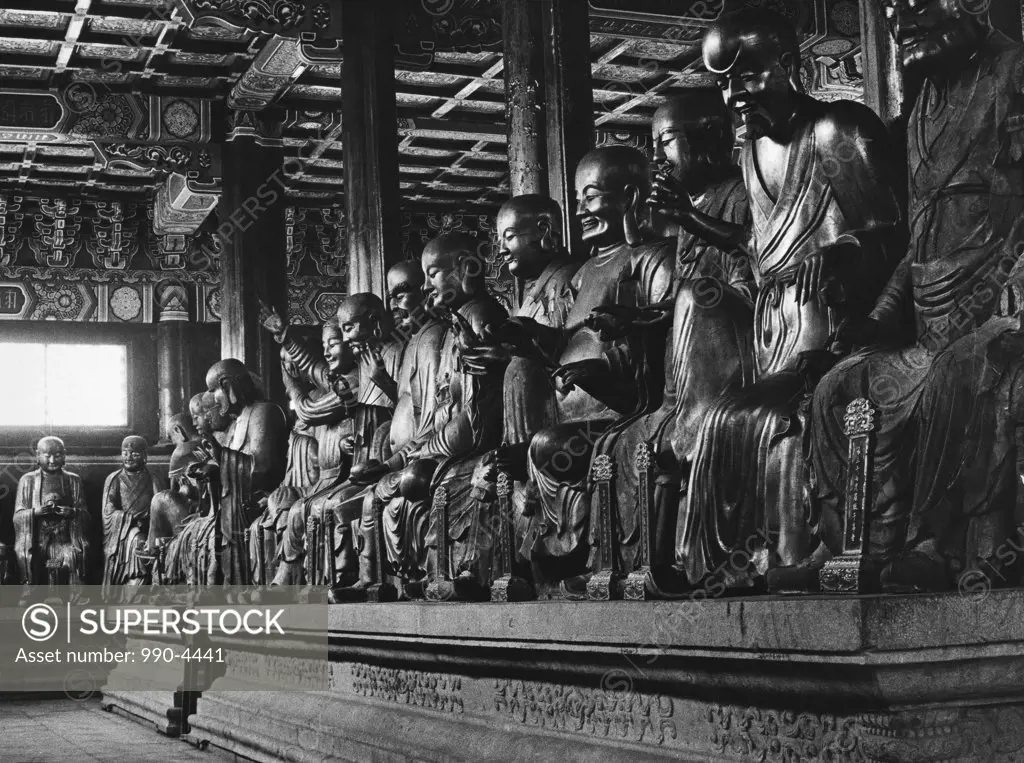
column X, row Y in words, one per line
column 776, row 736
column 432, row 691
column 619, row 715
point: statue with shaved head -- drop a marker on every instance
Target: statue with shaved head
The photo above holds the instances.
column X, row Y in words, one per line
column 596, row 377
column 458, row 416
column 709, row 350
column 532, row 244
column 51, row 521
column 127, row 495
column 940, row 352
column 344, row 398
column 820, row 243
column 250, row 462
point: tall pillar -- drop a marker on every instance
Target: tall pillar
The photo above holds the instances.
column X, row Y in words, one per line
column 522, row 30
column 549, row 97
column 253, row 258
column 569, row 96
column 883, row 82
column 174, row 363
column 369, row 135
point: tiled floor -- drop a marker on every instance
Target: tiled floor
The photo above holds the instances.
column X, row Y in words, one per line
column 59, row 730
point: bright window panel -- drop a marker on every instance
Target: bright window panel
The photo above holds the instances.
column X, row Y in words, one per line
column 73, row 385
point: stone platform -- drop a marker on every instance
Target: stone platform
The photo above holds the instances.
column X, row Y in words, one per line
column 884, row 678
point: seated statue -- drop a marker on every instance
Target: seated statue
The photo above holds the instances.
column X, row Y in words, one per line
column 710, row 349
column 451, row 425
column 51, row 521
column 823, row 214
column 532, row 244
column 940, row 358
column 127, row 494
column 251, row 462
column 185, row 511
column 266, row 533
column 597, row 380
column 344, row 411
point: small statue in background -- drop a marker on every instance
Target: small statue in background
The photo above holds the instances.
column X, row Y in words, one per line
column 51, row 521
column 127, row 494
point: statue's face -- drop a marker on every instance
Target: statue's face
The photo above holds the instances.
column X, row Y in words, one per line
column 210, row 416
column 133, row 457
column 443, row 284
column 754, row 77
column 50, row 456
column 358, row 323
column 601, row 203
column 929, row 29
column 671, row 149
column 334, row 349
column 405, row 296
column 520, row 235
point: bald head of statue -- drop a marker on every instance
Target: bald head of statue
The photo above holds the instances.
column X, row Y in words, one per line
column 693, row 137
column 405, row 293
column 50, row 454
column 453, row 269
column 180, row 428
column 363, row 320
column 756, row 58
column 612, row 184
column 134, row 453
column 933, row 33
column 232, row 386
column 529, row 234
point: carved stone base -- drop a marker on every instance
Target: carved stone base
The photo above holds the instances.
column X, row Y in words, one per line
column 635, row 587
column 865, row 679
column 440, row 590
column 604, row 586
column 842, row 575
column 511, row 588
column 381, row 593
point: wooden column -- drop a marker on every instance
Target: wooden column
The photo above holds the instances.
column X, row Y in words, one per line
column 253, row 260
column 173, row 361
column 549, row 97
column 883, row 81
column 369, row 136
column 569, row 97
column 523, row 40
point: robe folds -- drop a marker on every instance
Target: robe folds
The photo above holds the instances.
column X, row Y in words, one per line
column 528, row 405
column 748, row 477
column 38, row 540
column 559, row 456
column 710, row 348
column 948, row 397
column 126, row 504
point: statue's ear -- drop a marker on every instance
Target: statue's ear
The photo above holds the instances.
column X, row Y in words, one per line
column 549, row 239
column 229, row 390
column 630, row 218
column 791, row 65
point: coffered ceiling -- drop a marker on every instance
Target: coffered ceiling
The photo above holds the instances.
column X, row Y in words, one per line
column 104, row 97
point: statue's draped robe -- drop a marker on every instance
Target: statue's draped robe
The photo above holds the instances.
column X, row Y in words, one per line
column 944, row 461
column 301, row 474
column 528, row 405
column 355, row 408
column 464, row 420
column 633, row 277
column 38, row 540
column 747, row 477
column 126, row 503
column 709, row 349
column 410, row 428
